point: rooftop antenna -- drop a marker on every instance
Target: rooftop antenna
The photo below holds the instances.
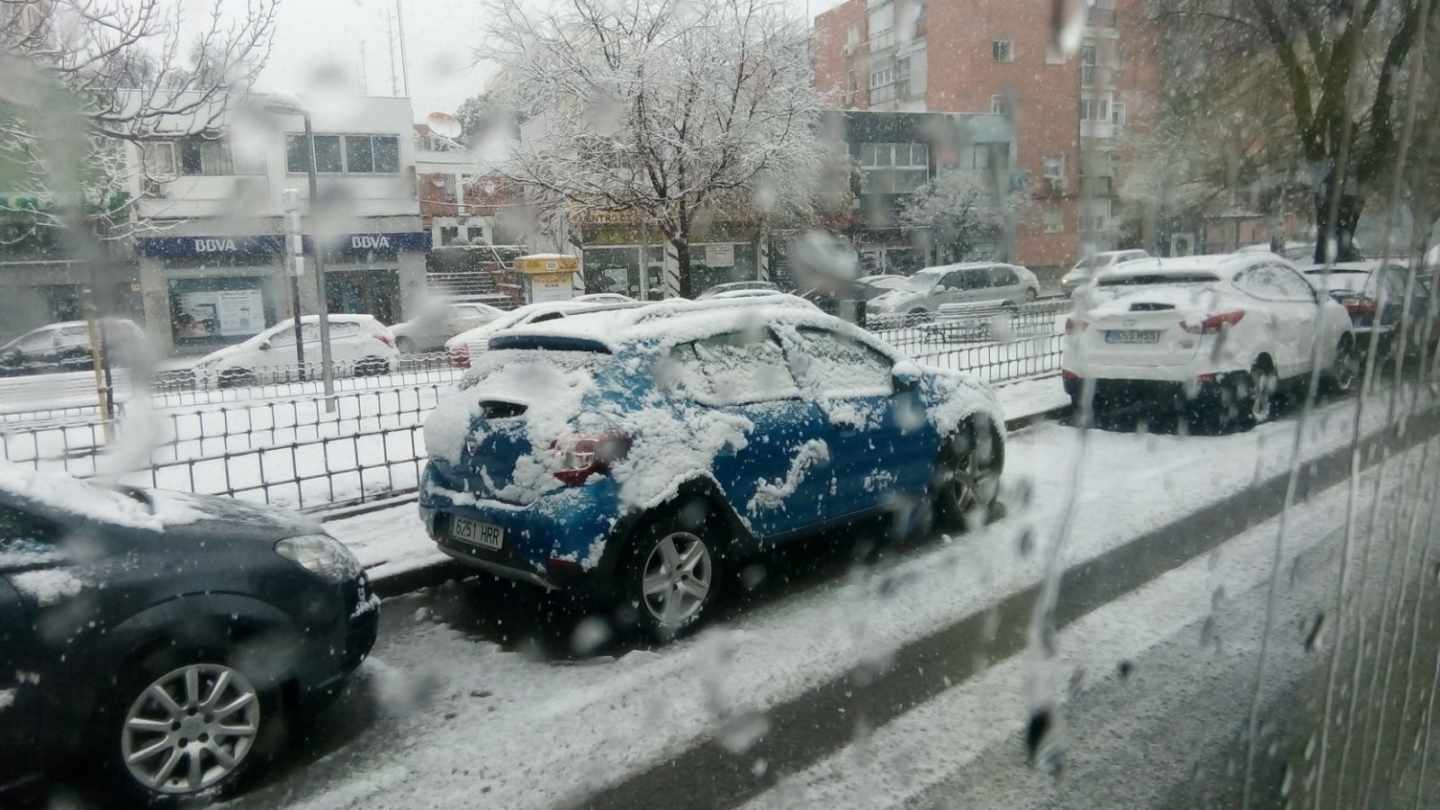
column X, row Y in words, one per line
column 364, row 74
column 390, row 40
column 404, row 66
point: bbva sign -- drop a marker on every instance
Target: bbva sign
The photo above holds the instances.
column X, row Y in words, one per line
column 367, row 241
column 215, row 245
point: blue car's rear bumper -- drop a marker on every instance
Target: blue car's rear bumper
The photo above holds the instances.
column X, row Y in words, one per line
column 562, row 540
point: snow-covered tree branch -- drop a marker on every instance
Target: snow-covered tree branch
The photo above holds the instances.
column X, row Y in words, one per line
column 670, row 111
column 87, row 75
column 965, row 212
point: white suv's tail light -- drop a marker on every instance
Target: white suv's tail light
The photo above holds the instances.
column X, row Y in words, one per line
column 1214, row 324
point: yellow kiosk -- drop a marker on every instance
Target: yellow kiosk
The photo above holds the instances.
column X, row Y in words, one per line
column 549, row 276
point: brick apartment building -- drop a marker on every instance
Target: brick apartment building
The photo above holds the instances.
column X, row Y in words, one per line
column 1069, row 113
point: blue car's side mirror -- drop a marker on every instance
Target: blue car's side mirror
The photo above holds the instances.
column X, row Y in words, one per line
column 906, row 374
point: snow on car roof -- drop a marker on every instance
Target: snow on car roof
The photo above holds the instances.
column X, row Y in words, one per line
column 1222, row 265
column 679, row 320
column 945, row 268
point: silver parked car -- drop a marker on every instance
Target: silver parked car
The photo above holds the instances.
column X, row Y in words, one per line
column 968, row 283
column 1086, row 268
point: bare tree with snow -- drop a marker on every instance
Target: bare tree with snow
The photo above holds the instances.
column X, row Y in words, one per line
column 83, row 76
column 965, row 212
column 671, row 112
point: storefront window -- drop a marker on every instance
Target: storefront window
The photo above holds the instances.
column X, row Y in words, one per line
column 218, row 310
column 613, row 270
column 721, row 263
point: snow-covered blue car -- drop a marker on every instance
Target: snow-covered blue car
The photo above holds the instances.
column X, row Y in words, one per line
column 638, row 453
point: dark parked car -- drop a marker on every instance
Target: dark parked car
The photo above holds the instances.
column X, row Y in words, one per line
column 164, row 637
column 1360, row 288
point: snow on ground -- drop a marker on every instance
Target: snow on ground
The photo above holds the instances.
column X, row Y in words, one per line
column 601, row 720
column 935, row 752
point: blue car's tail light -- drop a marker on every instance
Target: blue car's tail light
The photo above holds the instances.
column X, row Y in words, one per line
column 584, row 456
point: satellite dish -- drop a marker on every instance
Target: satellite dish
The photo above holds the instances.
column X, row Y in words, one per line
column 444, row 124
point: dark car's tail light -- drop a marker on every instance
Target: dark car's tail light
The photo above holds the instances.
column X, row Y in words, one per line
column 386, row 339
column 584, row 456
column 1360, row 306
column 1074, row 326
column 1214, row 324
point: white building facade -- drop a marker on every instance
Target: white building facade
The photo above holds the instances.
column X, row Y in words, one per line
column 212, row 258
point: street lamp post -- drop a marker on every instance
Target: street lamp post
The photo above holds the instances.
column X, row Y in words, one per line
column 287, row 107
column 320, row 304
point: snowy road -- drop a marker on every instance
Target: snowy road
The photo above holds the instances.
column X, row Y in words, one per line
column 476, row 690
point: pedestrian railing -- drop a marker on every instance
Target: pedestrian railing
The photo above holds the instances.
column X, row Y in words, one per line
column 277, row 442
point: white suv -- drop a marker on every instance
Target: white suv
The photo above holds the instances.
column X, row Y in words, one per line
column 1217, row 334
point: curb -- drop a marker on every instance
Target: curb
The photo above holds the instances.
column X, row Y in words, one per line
column 427, row 576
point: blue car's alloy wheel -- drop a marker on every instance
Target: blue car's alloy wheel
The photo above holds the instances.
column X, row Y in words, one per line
column 678, row 577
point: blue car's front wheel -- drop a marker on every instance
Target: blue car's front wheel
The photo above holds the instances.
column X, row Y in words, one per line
column 967, row 473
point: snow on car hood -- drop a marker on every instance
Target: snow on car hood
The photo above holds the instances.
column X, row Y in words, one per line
column 94, row 502
column 894, row 299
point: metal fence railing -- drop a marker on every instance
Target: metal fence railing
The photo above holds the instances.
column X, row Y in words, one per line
column 276, row 441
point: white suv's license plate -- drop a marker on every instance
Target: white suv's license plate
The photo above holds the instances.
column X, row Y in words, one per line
column 476, row 533
column 1132, row 336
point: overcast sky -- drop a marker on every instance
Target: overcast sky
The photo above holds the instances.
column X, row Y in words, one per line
column 320, row 40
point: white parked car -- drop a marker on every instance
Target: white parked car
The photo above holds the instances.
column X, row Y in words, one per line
column 359, row 346
column 1086, row 268
column 437, row 323
column 461, row 347
column 1217, row 333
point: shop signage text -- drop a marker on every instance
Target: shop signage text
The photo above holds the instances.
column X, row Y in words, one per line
column 275, row 243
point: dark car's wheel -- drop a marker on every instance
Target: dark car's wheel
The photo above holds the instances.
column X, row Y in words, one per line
column 967, row 474
column 673, row 571
column 405, row 345
column 1259, row 394
column 1030, row 295
column 1341, row 376
column 182, row 726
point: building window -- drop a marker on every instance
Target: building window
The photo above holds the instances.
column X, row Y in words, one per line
column 205, row 156
column 1001, row 50
column 348, row 154
column 1052, row 167
column 1054, row 221
column 893, row 168
column 882, row 77
column 852, row 36
column 1089, row 67
column 1117, row 113
column 159, row 159
column 1000, row 105
column 902, row 78
column 448, row 234
column 1094, row 109
column 852, row 87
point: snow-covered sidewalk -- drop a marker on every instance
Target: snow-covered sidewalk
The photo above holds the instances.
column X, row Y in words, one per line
column 604, row 719
column 391, row 541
